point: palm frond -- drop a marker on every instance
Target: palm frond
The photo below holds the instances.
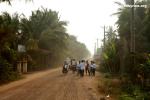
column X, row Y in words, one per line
column 9, row 1
column 119, row 3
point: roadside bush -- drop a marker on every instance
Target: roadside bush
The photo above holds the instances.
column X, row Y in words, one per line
column 6, row 72
column 8, row 59
column 107, row 75
column 109, row 86
column 126, row 97
column 133, row 92
column 140, row 96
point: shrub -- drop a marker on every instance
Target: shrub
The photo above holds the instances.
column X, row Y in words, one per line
column 8, row 58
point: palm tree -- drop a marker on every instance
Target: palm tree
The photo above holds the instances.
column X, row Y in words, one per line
column 8, row 28
column 44, row 31
column 9, row 1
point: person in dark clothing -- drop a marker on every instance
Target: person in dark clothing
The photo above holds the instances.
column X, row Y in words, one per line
column 87, row 68
column 93, row 68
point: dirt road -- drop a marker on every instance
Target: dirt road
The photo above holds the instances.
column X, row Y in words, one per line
column 51, row 85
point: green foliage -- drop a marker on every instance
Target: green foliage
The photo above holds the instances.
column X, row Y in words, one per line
column 8, row 28
column 139, row 96
column 110, row 53
column 117, row 51
column 7, row 58
column 126, row 97
column 141, row 17
column 45, row 38
column 139, row 74
column 76, row 49
column 44, row 33
column 133, row 92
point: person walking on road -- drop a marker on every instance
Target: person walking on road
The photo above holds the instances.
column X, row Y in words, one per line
column 65, row 67
column 78, row 68
column 82, row 67
column 73, row 64
column 93, row 68
column 87, row 68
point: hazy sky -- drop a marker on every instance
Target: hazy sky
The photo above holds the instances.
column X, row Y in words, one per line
column 85, row 17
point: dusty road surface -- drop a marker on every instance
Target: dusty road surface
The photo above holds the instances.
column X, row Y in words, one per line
column 51, row 85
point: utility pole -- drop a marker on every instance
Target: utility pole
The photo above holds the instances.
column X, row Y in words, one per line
column 95, row 49
column 104, row 36
column 132, row 45
column 132, row 41
column 97, row 43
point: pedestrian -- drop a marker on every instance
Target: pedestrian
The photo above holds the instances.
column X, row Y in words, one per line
column 65, row 67
column 87, row 68
column 78, row 68
column 74, row 64
column 82, row 67
column 90, row 68
column 93, row 68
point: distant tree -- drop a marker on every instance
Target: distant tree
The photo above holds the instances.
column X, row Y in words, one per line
column 44, row 36
column 76, row 49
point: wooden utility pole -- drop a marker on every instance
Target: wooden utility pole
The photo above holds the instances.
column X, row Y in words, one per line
column 95, row 49
column 132, row 41
column 104, row 36
column 97, row 43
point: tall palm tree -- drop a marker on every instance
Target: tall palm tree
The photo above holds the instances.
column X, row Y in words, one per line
column 9, row 26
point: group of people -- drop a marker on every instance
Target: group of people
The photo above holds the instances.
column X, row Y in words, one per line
column 81, row 67
column 86, row 67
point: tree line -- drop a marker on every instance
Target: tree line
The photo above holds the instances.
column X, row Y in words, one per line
column 45, row 38
column 116, row 56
